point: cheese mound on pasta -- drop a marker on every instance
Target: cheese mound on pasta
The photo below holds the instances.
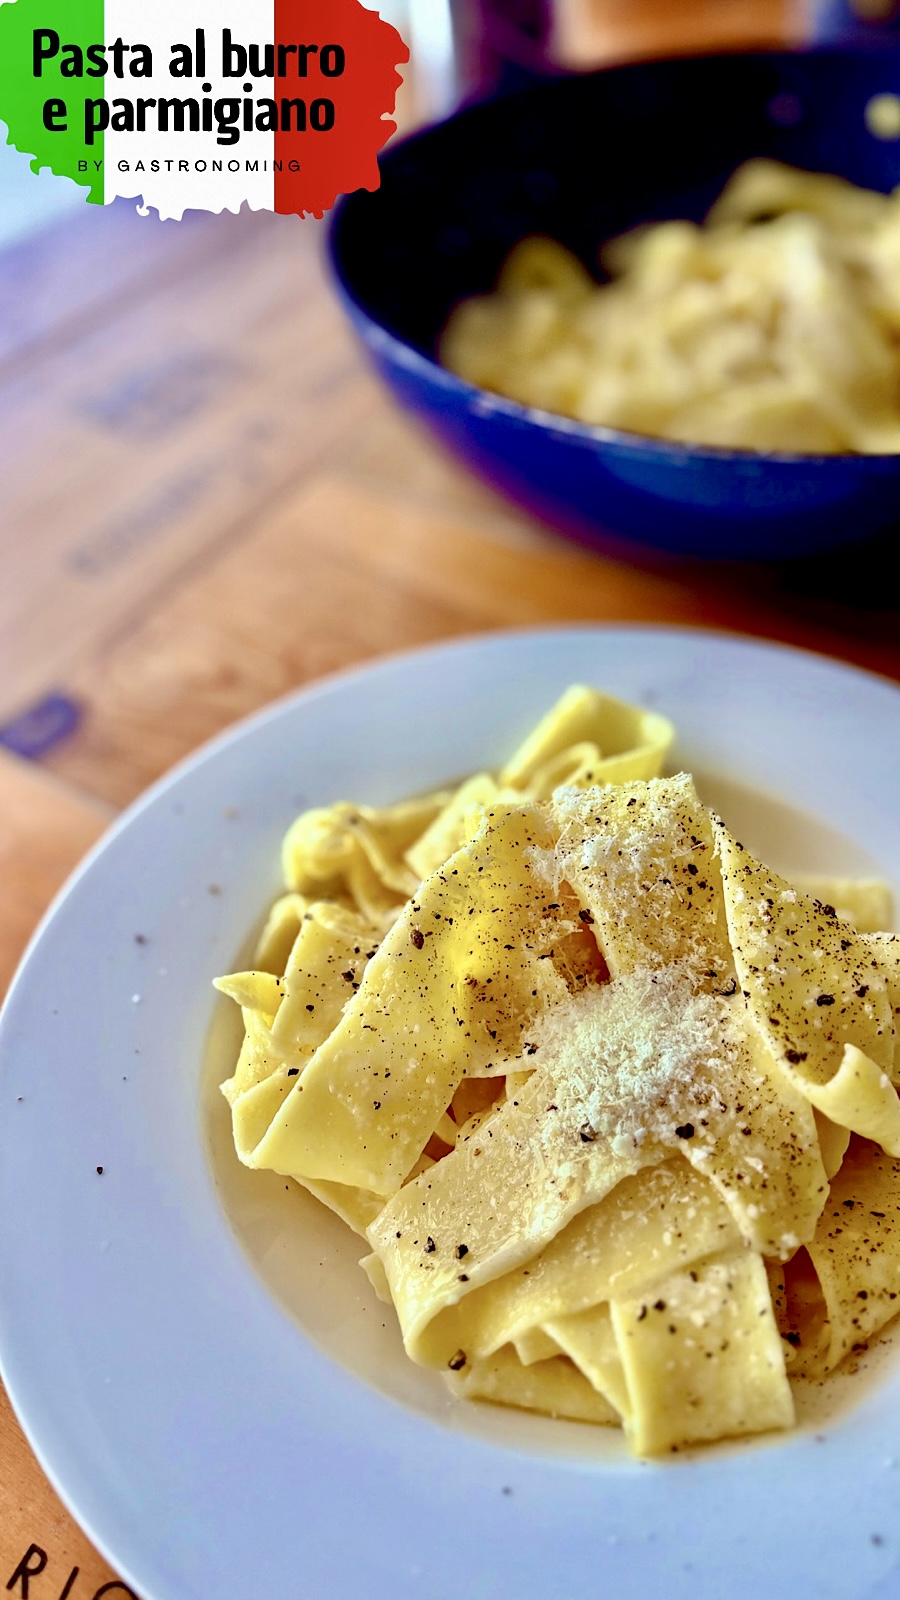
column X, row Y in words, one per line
column 774, row 326
column 613, row 1105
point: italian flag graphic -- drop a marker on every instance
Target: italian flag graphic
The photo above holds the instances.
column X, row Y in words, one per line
column 202, row 104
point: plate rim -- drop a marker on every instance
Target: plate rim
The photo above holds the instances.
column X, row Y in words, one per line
column 283, row 703
column 248, row 727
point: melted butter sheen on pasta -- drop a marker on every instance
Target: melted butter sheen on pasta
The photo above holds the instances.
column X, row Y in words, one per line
column 611, row 1103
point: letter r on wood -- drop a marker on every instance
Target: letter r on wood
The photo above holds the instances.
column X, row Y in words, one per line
column 33, row 1561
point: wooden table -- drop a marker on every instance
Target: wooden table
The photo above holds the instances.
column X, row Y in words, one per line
column 207, row 501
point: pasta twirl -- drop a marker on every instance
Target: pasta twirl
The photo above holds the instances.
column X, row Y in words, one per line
column 612, row 1104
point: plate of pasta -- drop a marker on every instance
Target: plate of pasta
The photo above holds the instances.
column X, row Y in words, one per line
column 521, row 1212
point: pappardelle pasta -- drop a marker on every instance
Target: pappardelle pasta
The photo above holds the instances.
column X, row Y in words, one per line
column 774, row 326
column 612, row 1104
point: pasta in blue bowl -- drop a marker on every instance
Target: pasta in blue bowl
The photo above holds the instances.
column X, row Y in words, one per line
column 582, row 161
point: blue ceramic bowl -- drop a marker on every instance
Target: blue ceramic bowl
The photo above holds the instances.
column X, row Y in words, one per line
column 583, row 158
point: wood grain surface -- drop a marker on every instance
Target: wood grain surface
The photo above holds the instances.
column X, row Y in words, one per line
column 207, row 501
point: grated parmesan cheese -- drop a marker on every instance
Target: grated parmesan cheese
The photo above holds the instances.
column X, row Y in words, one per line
column 631, row 1059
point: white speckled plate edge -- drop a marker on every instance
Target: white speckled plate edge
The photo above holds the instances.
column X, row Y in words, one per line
column 207, row 1447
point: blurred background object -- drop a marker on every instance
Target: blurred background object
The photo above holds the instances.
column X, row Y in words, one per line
column 872, row 22
column 488, row 47
column 500, row 45
column 472, row 49
column 466, row 50
column 588, row 33
column 469, row 49
column 584, row 443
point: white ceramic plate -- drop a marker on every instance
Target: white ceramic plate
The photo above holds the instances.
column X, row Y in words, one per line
column 194, row 1354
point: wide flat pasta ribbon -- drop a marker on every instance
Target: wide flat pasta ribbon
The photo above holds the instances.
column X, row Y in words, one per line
column 449, row 989
column 710, row 1085
column 589, row 738
column 491, row 1205
column 861, row 1098
column 342, row 852
column 586, row 738
column 658, row 1060
column 845, row 1285
column 885, row 950
column 810, row 980
column 704, row 1359
column 555, row 1387
column 663, row 1218
column 817, row 993
column 569, row 1133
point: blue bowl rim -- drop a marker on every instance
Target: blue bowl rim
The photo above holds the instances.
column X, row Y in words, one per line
column 585, row 433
